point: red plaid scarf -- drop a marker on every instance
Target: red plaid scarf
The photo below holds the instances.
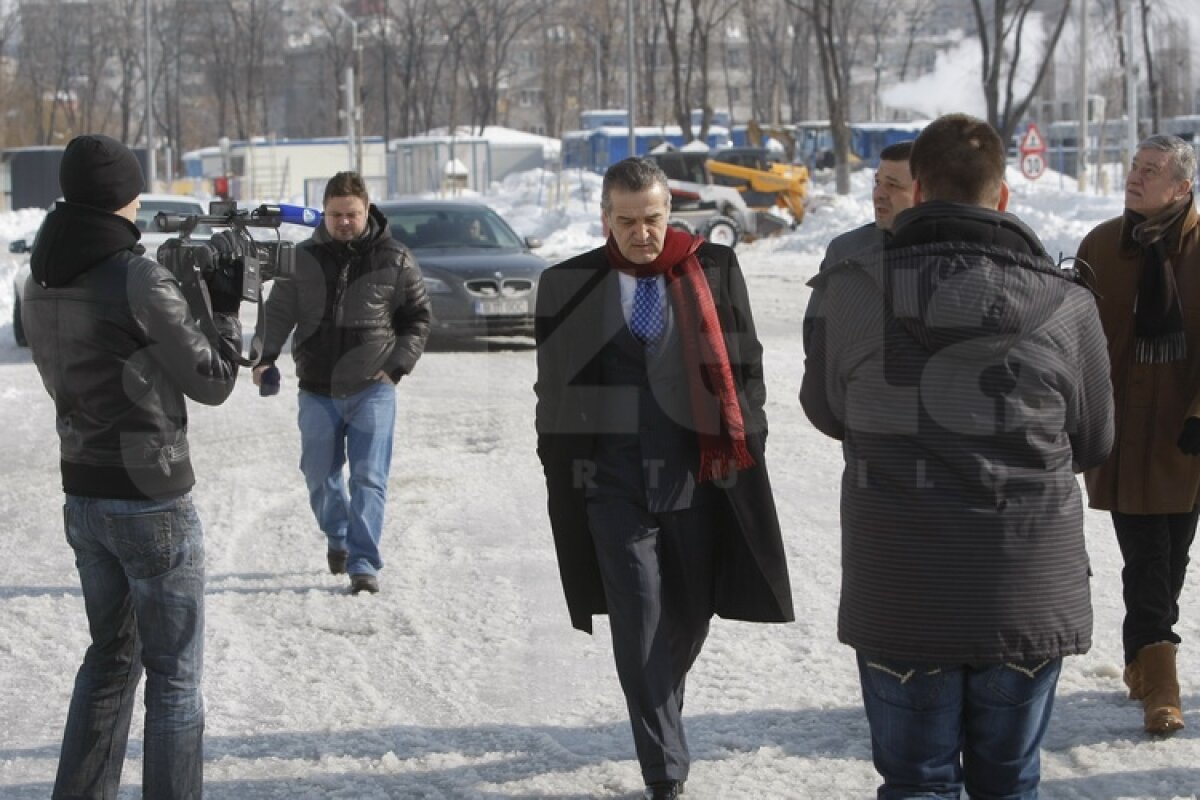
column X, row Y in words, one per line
column 721, row 429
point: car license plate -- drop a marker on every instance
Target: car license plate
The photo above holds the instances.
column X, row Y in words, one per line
column 502, row 308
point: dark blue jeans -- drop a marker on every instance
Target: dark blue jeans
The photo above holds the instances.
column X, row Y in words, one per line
column 939, row 728
column 141, row 567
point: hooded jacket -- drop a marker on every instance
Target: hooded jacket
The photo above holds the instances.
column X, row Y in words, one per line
column 118, row 349
column 357, row 308
column 967, row 378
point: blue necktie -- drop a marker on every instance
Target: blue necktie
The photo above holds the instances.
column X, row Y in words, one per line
column 647, row 320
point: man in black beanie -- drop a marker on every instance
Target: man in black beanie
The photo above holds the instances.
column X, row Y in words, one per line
column 118, row 349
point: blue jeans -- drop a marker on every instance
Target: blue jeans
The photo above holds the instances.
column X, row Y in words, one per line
column 358, row 428
column 141, row 567
column 939, row 728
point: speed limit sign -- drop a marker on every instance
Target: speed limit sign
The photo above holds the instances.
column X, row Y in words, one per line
column 1032, row 165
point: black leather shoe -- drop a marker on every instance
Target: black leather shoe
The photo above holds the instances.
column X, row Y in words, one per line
column 667, row 790
column 364, row 583
column 337, row 561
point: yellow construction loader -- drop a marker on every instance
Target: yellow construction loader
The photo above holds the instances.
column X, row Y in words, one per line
column 763, row 183
column 730, row 195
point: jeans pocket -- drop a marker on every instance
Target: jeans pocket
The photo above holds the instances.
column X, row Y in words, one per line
column 147, row 544
column 1018, row 682
column 905, row 684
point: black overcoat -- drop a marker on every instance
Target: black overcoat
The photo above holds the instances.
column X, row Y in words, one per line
column 752, row 578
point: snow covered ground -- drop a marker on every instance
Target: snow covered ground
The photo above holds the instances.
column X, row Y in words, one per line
column 463, row 678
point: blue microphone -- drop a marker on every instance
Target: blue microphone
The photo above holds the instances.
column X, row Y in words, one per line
column 296, row 215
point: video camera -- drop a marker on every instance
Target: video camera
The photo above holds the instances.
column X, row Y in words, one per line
column 231, row 260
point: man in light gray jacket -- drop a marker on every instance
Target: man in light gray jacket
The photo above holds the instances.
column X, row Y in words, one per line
column 891, row 194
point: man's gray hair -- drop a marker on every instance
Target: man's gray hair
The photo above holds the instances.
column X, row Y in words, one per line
column 1182, row 154
column 632, row 175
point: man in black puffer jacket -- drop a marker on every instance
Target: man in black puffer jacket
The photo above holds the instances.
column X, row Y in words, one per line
column 967, row 378
column 118, row 348
column 361, row 316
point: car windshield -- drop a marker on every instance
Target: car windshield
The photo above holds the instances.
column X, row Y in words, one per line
column 420, row 227
column 149, row 208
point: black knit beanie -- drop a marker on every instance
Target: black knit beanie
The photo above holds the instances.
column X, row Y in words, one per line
column 101, row 172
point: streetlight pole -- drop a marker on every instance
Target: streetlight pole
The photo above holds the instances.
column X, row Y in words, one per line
column 630, row 77
column 151, row 171
column 1131, row 95
column 1081, row 154
column 351, row 111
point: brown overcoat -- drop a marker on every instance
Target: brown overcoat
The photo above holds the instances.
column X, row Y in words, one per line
column 1146, row 473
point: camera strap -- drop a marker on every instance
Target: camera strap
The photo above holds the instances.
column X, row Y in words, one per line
column 209, row 325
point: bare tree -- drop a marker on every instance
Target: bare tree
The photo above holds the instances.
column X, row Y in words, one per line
column 171, row 26
column 880, row 18
column 1151, row 77
column 407, row 61
column 833, row 28
column 690, row 62
column 916, row 16
column 486, row 32
column 413, row 52
column 337, row 56
column 560, row 73
column 648, row 23
column 708, row 18
column 1124, row 57
column 601, row 24
column 887, row 21
column 50, row 41
column 800, row 64
column 92, row 94
column 768, row 36
column 129, row 55
column 10, row 96
column 1000, row 39
column 243, row 38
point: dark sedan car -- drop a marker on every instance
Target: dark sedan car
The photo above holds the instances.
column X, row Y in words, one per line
column 480, row 275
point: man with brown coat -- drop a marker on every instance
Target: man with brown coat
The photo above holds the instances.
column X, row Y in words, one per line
column 1147, row 276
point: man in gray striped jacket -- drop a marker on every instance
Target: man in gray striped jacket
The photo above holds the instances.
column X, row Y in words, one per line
column 967, row 378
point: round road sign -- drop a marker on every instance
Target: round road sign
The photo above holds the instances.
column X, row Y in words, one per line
column 1032, row 165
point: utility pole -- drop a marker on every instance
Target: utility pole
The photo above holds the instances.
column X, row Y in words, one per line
column 151, row 171
column 630, row 77
column 348, row 86
column 1081, row 150
column 1131, row 104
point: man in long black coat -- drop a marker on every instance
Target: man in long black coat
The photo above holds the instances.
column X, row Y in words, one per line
column 651, row 432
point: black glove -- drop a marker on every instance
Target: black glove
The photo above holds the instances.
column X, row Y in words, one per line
column 225, row 287
column 224, row 299
column 268, row 382
column 1189, row 438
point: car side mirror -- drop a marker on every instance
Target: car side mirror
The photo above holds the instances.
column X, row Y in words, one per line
column 533, row 242
column 18, row 246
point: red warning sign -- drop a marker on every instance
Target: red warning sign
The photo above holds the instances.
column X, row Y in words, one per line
column 1032, row 141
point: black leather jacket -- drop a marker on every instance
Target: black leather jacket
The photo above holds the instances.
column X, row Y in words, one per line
column 357, row 308
column 118, row 349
